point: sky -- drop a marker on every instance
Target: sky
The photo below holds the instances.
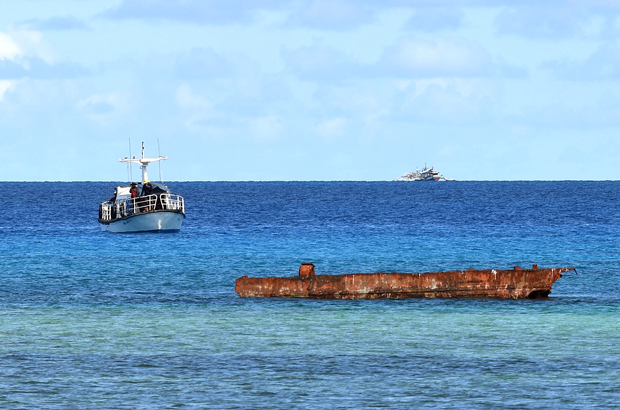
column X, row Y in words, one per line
column 263, row 90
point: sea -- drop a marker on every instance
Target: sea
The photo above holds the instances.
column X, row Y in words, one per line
column 96, row 320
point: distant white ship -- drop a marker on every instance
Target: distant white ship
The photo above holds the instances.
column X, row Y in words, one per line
column 427, row 174
column 143, row 206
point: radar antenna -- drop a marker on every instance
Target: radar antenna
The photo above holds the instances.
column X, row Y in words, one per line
column 144, row 163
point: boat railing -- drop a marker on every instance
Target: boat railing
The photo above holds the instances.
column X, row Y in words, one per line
column 109, row 211
column 172, row 202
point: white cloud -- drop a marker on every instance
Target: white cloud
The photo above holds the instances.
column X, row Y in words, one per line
column 56, row 23
column 9, row 49
column 186, row 99
column 524, row 17
column 448, row 101
column 465, row 87
column 436, row 58
column 197, row 112
column 407, row 58
column 332, row 14
column 103, row 107
column 436, row 19
column 5, row 85
column 202, row 63
column 266, row 128
column 602, row 64
column 24, row 54
column 320, row 62
column 559, row 20
column 36, row 68
column 31, row 44
column 332, row 128
column 191, row 11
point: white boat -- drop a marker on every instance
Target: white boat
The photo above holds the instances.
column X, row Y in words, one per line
column 427, row 174
column 144, row 206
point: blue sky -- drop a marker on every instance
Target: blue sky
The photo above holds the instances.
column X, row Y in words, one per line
column 310, row 89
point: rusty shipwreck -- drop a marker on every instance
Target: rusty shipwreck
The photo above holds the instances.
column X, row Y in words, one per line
column 514, row 283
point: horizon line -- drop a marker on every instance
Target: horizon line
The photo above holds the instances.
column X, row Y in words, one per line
column 322, row 180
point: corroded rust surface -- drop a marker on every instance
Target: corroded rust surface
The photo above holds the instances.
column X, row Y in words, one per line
column 515, row 283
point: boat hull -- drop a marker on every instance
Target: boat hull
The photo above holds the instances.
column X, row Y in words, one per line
column 505, row 284
column 158, row 221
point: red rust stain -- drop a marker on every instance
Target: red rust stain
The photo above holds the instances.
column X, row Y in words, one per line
column 515, row 283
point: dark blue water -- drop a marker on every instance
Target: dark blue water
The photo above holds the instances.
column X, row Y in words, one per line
column 98, row 320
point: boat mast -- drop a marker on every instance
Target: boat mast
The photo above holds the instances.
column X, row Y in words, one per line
column 129, row 164
column 145, row 177
column 144, row 163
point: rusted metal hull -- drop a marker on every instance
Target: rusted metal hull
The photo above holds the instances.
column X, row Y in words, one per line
column 489, row 283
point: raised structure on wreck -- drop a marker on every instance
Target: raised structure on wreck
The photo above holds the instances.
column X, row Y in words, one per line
column 514, row 283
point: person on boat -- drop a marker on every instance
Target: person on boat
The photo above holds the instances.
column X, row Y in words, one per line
column 147, row 189
column 112, row 202
column 134, row 190
column 113, row 199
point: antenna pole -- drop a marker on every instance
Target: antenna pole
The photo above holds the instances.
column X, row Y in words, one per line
column 159, row 162
column 143, row 166
column 130, row 166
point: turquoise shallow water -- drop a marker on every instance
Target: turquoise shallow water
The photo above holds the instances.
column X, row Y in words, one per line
column 97, row 320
